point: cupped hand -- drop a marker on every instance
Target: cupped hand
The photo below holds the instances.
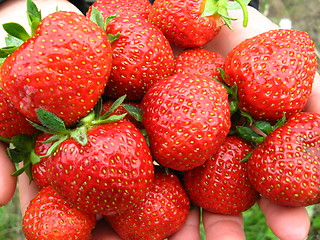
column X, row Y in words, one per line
column 286, row 223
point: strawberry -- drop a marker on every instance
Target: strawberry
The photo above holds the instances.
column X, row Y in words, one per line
column 48, row 217
column 285, row 166
column 160, row 214
column 108, row 174
column 222, row 184
column 12, row 122
column 186, row 117
column 109, row 8
column 141, row 57
column 63, row 68
column 273, row 72
column 200, row 61
column 191, row 23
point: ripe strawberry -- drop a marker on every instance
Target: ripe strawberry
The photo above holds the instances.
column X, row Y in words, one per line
column 160, row 214
column 12, row 122
column 141, row 57
column 108, row 174
column 222, row 185
column 190, row 23
column 274, row 72
column 48, row 217
column 187, row 118
column 285, row 168
column 200, row 61
column 109, row 8
column 63, row 68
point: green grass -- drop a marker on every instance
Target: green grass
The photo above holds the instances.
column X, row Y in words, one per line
column 10, row 221
column 255, row 225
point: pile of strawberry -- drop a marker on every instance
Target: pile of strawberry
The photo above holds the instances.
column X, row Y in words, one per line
column 106, row 120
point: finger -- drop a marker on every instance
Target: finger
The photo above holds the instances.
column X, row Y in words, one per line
column 190, row 228
column 313, row 104
column 7, row 182
column 27, row 191
column 227, row 39
column 223, row 227
column 103, row 231
column 285, row 222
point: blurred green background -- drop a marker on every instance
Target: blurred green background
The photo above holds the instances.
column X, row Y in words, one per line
column 301, row 15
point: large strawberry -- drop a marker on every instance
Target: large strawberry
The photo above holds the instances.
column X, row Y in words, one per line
column 200, row 61
column 161, row 213
column 110, row 7
column 285, row 168
column 273, row 72
column 49, row 216
column 187, row 118
column 108, row 174
column 63, row 68
column 191, row 23
column 141, row 56
column 222, row 185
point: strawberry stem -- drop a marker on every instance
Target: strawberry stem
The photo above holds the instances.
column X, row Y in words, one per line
column 244, row 11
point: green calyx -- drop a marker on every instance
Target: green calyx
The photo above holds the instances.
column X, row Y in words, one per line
column 97, row 17
column 221, row 7
column 17, row 33
column 21, row 150
column 52, row 124
column 258, row 136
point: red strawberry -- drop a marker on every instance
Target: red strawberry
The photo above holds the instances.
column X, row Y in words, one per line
column 187, row 118
column 222, row 185
column 48, row 217
column 63, row 68
column 141, row 57
column 109, row 8
column 274, row 72
column 190, row 23
column 285, row 168
column 200, row 61
column 160, row 214
column 39, row 169
column 108, row 174
column 12, row 122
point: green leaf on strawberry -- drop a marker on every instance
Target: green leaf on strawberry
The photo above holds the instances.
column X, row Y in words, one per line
column 51, row 121
column 34, row 16
column 20, row 150
column 135, row 112
column 97, row 18
column 17, row 34
column 250, row 135
column 16, row 30
column 220, row 7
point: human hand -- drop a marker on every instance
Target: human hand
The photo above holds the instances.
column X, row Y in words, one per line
column 286, row 223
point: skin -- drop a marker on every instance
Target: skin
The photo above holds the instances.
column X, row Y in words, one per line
column 286, row 223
